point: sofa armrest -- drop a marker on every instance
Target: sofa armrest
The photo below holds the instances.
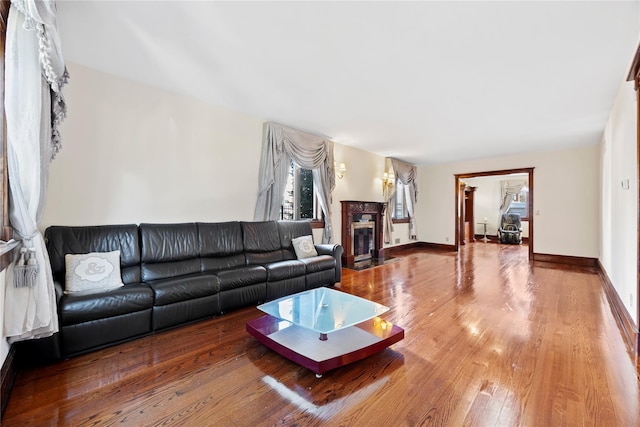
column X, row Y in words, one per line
column 59, row 288
column 335, row 251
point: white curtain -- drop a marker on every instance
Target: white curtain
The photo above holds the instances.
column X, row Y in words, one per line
column 508, row 189
column 408, row 175
column 34, row 107
column 281, row 145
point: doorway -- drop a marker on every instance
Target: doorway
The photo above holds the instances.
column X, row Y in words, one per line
column 460, row 199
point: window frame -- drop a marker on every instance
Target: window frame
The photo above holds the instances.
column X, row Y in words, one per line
column 294, row 174
column 405, row 218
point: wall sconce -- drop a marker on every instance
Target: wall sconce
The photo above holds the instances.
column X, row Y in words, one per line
column 340, row 170
column 388, row 181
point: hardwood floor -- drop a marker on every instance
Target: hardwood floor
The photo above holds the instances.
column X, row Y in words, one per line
column 490, row 340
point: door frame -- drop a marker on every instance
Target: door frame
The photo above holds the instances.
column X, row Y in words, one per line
column 458, row 177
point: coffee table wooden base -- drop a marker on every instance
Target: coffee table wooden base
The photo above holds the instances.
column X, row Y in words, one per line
column 304, row 346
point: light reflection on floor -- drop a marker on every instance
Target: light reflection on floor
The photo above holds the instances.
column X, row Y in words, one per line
column 327, row 410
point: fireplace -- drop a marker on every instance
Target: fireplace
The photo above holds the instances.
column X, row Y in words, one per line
column 362, row 239
column 362, row 224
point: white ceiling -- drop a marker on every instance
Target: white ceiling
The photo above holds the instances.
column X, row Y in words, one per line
column 426, row 82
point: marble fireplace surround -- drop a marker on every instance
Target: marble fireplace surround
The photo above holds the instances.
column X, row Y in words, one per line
column 359, row 217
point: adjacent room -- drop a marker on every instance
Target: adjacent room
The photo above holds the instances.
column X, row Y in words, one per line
column 320, row 213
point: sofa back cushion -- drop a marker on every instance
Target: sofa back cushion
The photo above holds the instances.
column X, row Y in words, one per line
column 261, row 242
column 169, row 250
column 220, row 245
column 63, row 240
column 290, row 230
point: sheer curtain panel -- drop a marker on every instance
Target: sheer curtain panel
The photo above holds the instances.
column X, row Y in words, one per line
column 281, row 145
column 408, row 175
column 508, row 189
column 34, row 106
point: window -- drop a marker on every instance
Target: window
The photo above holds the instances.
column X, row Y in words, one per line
column 300, row 200
column 519, row 204
column 399, row 205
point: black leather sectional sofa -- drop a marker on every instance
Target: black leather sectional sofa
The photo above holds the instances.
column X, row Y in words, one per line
column 179, row 273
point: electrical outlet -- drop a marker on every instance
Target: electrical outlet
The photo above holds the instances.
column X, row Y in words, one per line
column 625, row 184
column 446, row 239
column 397, row 241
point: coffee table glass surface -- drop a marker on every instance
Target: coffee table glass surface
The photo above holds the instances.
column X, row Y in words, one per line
column 323, row 310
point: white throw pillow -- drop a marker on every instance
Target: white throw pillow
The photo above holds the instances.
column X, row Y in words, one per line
column 304, row 247
column 93, row 272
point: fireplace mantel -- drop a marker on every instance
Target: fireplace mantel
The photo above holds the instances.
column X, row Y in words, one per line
column 354, row 211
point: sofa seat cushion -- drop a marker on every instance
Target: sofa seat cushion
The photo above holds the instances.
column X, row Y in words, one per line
column 242, row 276
column 319, row 263
column 182, row 288
column 282, row 270
column 74, row 309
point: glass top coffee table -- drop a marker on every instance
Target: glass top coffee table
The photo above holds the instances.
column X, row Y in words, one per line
column 323, row 329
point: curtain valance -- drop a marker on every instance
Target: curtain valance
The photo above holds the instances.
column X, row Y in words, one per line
column 508, row 189
column 40, row 17
column 281, row 145
column 407, row 174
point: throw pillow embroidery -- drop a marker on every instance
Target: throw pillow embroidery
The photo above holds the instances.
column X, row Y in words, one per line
column 304, row 247
column 92, row 272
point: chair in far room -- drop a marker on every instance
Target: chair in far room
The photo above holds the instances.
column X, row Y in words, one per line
column 510, row 230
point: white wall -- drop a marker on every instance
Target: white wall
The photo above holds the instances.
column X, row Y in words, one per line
column 619, row 204
column 565, row 198
column 132, row 153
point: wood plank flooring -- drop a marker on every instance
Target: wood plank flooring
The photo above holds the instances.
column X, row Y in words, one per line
column 491, row 340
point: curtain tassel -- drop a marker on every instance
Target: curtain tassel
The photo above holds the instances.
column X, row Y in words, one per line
column 26, row 269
